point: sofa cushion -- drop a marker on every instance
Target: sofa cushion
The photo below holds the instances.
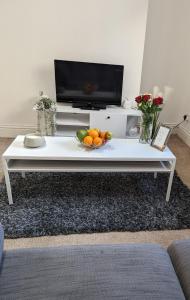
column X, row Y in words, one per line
column 136, row 271
column 179, row 252
column 1, row 242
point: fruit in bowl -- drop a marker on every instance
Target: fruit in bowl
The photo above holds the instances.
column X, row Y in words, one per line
column 93, row 138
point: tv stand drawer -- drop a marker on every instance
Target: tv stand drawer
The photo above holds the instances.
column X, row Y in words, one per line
column 114, row 122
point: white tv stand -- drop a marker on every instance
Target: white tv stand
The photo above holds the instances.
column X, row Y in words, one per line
column 113, row 118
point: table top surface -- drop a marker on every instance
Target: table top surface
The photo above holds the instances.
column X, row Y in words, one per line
column 68, row 148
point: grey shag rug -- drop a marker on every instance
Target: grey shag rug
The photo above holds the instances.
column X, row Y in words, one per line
column 52, row 204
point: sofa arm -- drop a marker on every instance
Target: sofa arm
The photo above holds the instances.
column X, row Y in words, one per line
column 1, row 241
column 179, row 252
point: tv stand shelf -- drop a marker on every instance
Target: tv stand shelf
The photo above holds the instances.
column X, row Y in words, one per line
column 113, row 118
column 72, row 119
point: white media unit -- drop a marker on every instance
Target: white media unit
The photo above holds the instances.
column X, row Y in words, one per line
column 116, row 119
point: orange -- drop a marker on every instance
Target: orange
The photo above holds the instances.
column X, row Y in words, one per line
column 103, row 134
column 88, row 140
column 97, row 141
column 93, row 133
column 98, row 130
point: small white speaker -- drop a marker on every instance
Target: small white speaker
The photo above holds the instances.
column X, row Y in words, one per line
column 34, row 140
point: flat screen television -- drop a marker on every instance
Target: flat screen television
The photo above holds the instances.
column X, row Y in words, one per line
column 88, row 85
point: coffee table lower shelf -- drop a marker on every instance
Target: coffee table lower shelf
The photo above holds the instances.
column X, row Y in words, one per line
column 86, row 166
column 36, row 165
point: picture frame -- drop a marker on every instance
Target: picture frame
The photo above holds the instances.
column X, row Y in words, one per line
column 161, row 137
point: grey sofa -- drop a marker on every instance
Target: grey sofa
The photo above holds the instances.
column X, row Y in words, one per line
column 134, row 271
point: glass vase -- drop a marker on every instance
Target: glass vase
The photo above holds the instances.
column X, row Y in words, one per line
column 146, row 128
column 155, row 122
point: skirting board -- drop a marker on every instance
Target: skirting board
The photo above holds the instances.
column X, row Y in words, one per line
column 12, row 131
column 184, row 134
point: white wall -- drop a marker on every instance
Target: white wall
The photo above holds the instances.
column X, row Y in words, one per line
column 34, row 33
column 167, row 58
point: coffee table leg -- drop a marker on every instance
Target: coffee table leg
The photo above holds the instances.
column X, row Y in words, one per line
column 155, row 175
column 23, row 174
column 7, row 181
column 170, row 180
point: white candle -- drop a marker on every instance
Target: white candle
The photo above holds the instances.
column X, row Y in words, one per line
column 156, row 91
column 160, row 94
column 168, row 90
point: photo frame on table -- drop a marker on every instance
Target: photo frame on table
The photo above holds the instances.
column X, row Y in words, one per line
column 161, row 137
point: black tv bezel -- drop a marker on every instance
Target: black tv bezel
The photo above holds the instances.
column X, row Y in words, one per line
column 90, row 102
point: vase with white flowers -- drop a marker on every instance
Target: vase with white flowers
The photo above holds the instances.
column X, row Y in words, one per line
column 151, row 108
column 46, row 109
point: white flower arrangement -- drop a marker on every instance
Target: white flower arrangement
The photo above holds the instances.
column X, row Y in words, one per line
column 45, row 104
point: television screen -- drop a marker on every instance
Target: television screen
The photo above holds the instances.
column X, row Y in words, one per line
column 91, row 83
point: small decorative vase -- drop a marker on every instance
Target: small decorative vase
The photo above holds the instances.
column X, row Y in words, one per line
column 146, row 128
column 50, row 122
column 41, row 126
column 46, row 122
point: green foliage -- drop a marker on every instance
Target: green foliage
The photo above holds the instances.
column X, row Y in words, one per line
column 45, row 104
column 148, row 107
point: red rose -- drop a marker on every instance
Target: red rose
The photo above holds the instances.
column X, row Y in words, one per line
column 138, row 99
column 158, row 101
column 146, row 97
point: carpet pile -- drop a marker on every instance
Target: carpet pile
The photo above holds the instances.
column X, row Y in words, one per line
column 53, row 204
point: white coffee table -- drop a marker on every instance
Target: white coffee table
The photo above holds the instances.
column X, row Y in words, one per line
column 65, row 154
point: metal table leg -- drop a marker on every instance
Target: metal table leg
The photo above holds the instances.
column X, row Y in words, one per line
column 7, row 181
column 173, row 162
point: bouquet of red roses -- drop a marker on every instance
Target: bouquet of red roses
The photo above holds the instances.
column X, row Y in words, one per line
column 147, row 104
column 150, row 108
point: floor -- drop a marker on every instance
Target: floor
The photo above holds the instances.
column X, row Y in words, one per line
column 164, row 238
